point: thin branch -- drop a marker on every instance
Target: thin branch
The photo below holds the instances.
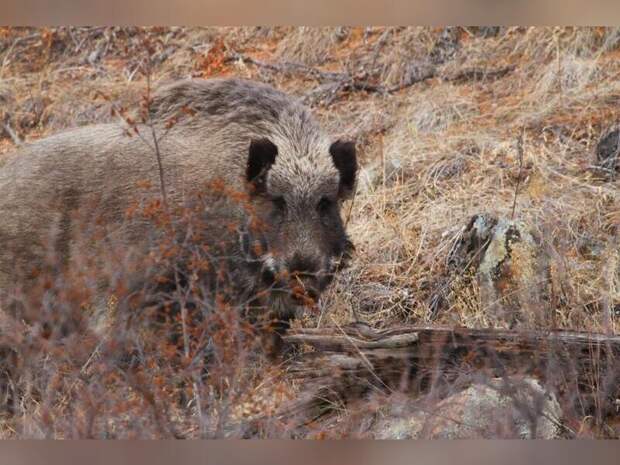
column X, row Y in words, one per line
column 6, row 125
column 520, row 155
column 288, row 67
column 341, row 80
column 150, row 124
column 333, row 82
column 480, row 74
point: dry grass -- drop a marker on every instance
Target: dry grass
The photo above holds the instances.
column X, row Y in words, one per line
column 433, row 154
column 452, row 153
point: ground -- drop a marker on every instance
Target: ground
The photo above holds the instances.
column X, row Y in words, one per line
column 449, row 123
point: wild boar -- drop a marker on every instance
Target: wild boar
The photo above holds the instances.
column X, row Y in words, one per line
column 249, row 137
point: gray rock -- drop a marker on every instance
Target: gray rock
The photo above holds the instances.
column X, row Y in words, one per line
column 501, row 409
column 512, row 269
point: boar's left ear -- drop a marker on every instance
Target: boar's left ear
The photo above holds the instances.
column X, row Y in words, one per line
column 261, row 155
column 345, row 160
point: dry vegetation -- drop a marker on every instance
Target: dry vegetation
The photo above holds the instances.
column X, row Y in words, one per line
column 438, row 115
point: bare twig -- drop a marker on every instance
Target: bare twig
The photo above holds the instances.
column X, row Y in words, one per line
column 520, row 155
column 287, row 67
column 7, row 55
column 160, row 167
column 333, row 82
column 379, row 45
column 559, row 68
column 480, row 74
column 340, row 81
column 6, row 125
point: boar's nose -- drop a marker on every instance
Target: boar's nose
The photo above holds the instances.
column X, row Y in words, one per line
column 302, row 265
column 304, row 273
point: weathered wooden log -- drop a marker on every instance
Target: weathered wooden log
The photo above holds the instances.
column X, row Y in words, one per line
column 345, row 363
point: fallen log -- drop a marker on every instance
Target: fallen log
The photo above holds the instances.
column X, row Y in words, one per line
column 344, row 364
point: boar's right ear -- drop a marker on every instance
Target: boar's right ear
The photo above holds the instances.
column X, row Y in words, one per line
column 261, row 155
column 345, row 160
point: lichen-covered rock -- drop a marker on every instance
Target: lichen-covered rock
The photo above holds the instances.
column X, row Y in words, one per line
column 512, row 270
column 501, row 409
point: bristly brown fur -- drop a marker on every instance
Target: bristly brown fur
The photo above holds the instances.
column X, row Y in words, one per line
column 51, row 189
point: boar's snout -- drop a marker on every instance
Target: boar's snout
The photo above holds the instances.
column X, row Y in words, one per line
column 304, row 272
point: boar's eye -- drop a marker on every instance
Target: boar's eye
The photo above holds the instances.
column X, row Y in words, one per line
column 279, row 203
column 324, row 205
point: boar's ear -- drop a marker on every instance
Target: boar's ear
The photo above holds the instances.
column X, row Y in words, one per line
column 345, row 160
column 261, row 155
